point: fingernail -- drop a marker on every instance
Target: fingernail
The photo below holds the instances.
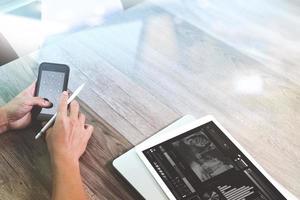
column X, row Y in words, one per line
column 65, row 93
column 46, row 103
column 50, row 105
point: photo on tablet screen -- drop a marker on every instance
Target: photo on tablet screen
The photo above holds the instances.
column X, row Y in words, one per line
column 202, row 156
column 203, row 164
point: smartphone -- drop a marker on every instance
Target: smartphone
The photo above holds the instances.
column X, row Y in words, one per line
column 52, row 81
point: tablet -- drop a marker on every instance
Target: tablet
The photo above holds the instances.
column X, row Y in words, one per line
column 133, row 170
column 202, row 161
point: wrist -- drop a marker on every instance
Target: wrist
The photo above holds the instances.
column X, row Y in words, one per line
column 61, row 162
column 4, row 125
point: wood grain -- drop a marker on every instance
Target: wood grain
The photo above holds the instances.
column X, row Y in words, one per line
column 153, row 63
column 25, row 167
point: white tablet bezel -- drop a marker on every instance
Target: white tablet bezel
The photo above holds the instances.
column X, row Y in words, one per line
column 140, row 148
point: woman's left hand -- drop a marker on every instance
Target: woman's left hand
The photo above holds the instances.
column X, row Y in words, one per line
column 18, row 111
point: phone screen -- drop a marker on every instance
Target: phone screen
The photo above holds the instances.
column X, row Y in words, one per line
column 51, row 87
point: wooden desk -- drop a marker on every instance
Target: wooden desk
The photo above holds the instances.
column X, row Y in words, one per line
column 25, row 166
column 144, row 69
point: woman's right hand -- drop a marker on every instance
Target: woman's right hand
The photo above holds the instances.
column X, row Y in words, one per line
column 68, row 138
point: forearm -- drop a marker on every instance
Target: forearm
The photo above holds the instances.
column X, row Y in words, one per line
column 3, row 120
column 67, row 182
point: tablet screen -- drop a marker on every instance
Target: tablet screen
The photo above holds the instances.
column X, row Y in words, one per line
column 203, row 164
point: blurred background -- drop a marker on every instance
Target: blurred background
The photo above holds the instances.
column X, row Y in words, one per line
column 26, row 25
column 262, row 29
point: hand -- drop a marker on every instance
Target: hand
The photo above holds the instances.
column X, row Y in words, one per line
column 66, row 142
column 68, row 138
column 18, row 110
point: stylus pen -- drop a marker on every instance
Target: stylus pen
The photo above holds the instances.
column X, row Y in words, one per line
column 50, row 122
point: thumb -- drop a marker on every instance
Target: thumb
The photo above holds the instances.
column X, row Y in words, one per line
column 38, row 101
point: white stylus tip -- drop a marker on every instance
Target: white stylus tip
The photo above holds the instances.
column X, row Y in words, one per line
column 38, row 135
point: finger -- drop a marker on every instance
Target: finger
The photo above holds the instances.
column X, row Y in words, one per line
column 81, row 118
column 88, row 131
column 74, row 110
column 63, row 104
column 38, row 101
column 29, row 91
column 51, row 104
